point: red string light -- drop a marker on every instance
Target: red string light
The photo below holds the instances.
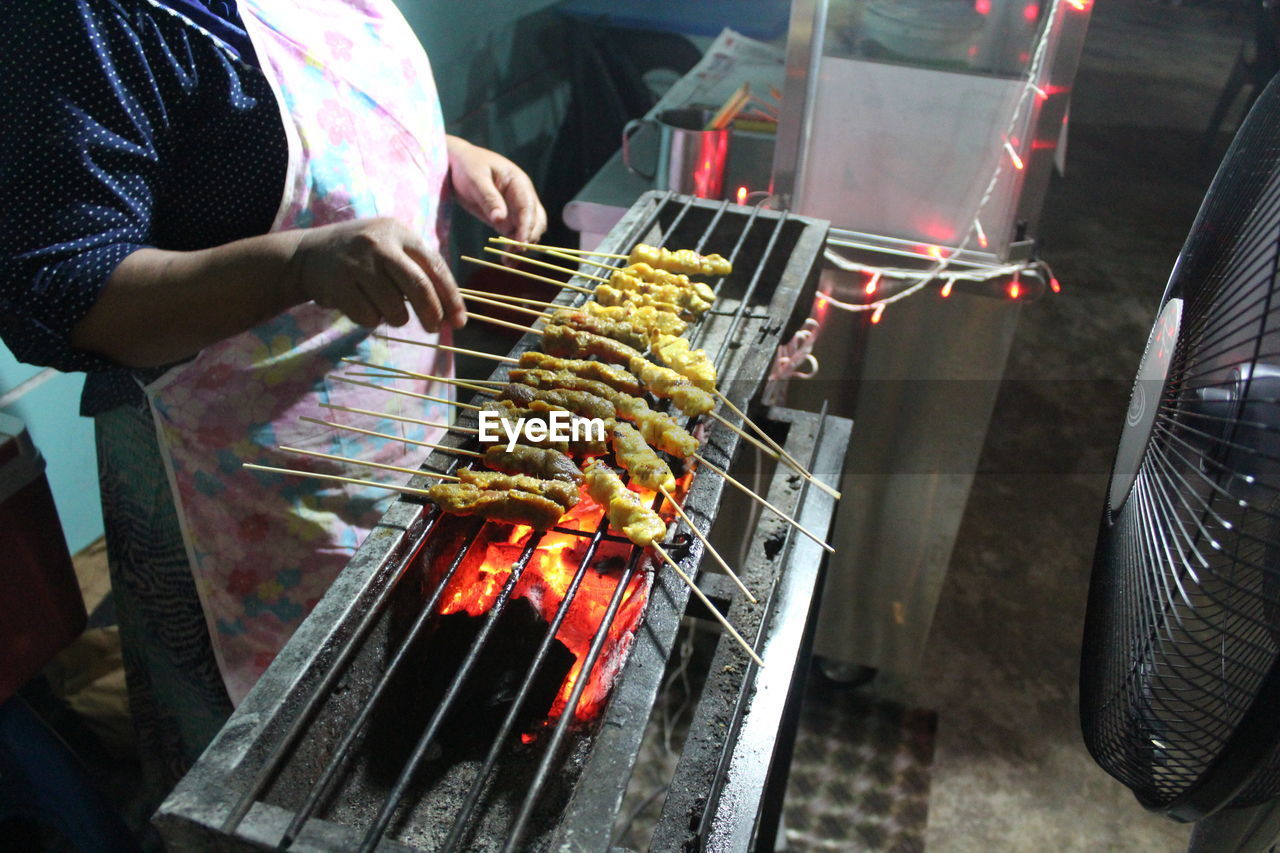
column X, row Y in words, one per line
column 946, row 288
column 878, row 313
column 1013, row 155
column 1054, row 286
column 872, row 284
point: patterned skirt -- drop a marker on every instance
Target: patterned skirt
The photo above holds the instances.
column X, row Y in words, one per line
column 176, row 694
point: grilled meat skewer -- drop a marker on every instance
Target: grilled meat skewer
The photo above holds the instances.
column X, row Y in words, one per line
column 540, row 462
column 658, row 428
column 626, row 510
column 557, row 490
column 508, row 505
column 509, row 412
column 635, row 455
column 617, row 378
column 679, row 261
column 565, row 341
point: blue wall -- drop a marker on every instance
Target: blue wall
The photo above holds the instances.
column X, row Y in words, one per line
column 51, row 413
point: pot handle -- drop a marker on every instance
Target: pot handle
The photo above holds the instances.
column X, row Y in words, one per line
column 627, row 132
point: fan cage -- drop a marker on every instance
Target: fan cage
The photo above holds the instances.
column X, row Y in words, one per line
column 1181, row 647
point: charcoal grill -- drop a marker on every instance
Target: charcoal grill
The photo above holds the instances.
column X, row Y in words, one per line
column 303, row 762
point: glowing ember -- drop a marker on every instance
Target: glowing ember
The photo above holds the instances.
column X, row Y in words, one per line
column 547, row 579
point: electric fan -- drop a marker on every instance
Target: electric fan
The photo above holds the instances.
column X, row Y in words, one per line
column 1180, row 672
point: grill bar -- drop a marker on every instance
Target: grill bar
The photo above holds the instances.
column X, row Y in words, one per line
column 508, row 724
column 343, row 754
column 521, row 824
column 389, row 806
column 730, row 338
column 317, row 697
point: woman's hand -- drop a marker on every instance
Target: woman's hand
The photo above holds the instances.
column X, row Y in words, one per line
column 369, row 268
column 496, row 191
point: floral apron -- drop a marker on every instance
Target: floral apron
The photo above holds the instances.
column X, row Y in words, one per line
column 366, row 138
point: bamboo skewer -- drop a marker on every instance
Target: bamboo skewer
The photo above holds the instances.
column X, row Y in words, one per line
column 414, row 441
column 315, row 475
column 539, row 263
column 447, row 348
column 707, row 544
column 403, row 392
column 564, row 249
column 557, row 253
column 693, row 587
column 797, row 525
column 507, row 297
column 409, row 374
column 361, row 462
column 497, row 322
column 525, row 273
column 785, row 456
column 389, row 416
column 484, row 300
column 764, row 448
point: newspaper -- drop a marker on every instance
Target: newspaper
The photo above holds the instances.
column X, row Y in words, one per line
column 731, row 60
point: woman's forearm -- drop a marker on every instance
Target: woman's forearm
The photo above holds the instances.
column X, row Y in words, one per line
column 159, row 307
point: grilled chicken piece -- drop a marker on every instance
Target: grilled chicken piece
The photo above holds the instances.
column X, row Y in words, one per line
column 568, row 342
column 559, row 491
column 514, row 507
column 582, row 448
column 685, row 297
column 681, row 260
column 661, row 381
column 540, row 462
column 582, row 403
column 658, row 427
column 693, row 364
column 615, row 377
column 626, row 510
column 611, row 296
column 665, row 277
column 637, row 457
column 619, row 330
column 652, row 320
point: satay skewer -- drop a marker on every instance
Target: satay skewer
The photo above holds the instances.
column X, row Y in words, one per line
column 402, row 418
column 471, row 296
column 539, row 263
column 788, row 519
column 449, row 348
column 781, row 451
column 380, row 465
column 403, row 392
column 560, row 253
column 797, row 525
column 414, row 441
column 526, row 274
column 707, row 544
column 316, row 475
column 507, row 297
column 409, row 374
column 719, row 617
column 545, row 248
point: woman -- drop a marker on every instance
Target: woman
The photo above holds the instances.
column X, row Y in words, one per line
column 209, row 205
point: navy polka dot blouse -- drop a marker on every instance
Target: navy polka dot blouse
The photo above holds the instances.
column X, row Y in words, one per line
column 125, row 124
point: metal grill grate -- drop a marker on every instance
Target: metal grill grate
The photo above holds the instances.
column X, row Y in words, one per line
column 660, row 220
